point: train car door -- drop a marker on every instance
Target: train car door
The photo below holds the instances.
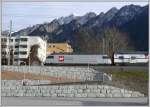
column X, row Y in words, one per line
column 133, row 59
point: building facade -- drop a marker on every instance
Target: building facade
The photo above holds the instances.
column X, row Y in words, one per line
column 59, row 48
column 16, row 50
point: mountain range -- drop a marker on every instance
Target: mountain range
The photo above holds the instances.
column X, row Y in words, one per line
column 132, row 19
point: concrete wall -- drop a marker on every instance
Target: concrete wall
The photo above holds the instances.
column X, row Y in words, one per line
column 15, row 88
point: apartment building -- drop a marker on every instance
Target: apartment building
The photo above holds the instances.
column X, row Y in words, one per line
column 59, row 48
column 17, row 49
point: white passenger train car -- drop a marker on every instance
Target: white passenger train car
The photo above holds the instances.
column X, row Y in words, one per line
column 131, row 58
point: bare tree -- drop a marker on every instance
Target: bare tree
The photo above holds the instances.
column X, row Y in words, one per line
column 114, row 41
column 11, row 57
column 33, row 58
column 88, row 42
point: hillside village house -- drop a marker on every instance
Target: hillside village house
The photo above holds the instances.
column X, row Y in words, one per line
column 17, row 49
column 59, row 48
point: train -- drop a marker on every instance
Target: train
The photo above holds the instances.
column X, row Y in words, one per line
column 97, row 59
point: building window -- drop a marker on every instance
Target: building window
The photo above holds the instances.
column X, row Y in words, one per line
column 16, row 53
column 17, row 40
column 53, row 46
column 20, row 59
column 11, row 40
column 4, row 46
column 24, row 39
column 21, row 39
column 4, row 40
column 4, row 53
column 16, row 59
column 16, row 46
column 23, row 46
column 11, row 47
column 21, row 53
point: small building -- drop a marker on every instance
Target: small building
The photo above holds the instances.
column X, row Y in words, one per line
column 59, row 48
column 16, row 50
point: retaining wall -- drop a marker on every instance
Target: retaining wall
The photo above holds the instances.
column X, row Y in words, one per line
column 80, row 73
column 15, row 88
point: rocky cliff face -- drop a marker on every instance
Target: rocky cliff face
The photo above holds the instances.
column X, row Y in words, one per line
column 132, row 19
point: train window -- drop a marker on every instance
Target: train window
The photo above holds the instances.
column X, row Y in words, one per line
column 105, row 57
column 51, row 57
column 133, row 57
column 121, row 57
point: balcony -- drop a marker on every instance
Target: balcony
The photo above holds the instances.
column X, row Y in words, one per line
column 21, row 43
column 5, row 49
column 20, row 56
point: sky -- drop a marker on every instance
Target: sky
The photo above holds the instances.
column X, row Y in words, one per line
column 25, row 14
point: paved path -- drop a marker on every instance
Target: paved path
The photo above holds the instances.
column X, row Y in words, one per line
column 45, row 101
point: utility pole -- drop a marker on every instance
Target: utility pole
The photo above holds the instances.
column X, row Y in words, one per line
column 13, row 44
column 9, row 37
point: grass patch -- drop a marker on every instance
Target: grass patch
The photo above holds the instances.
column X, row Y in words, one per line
column 132, row 80
column 128, row 74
